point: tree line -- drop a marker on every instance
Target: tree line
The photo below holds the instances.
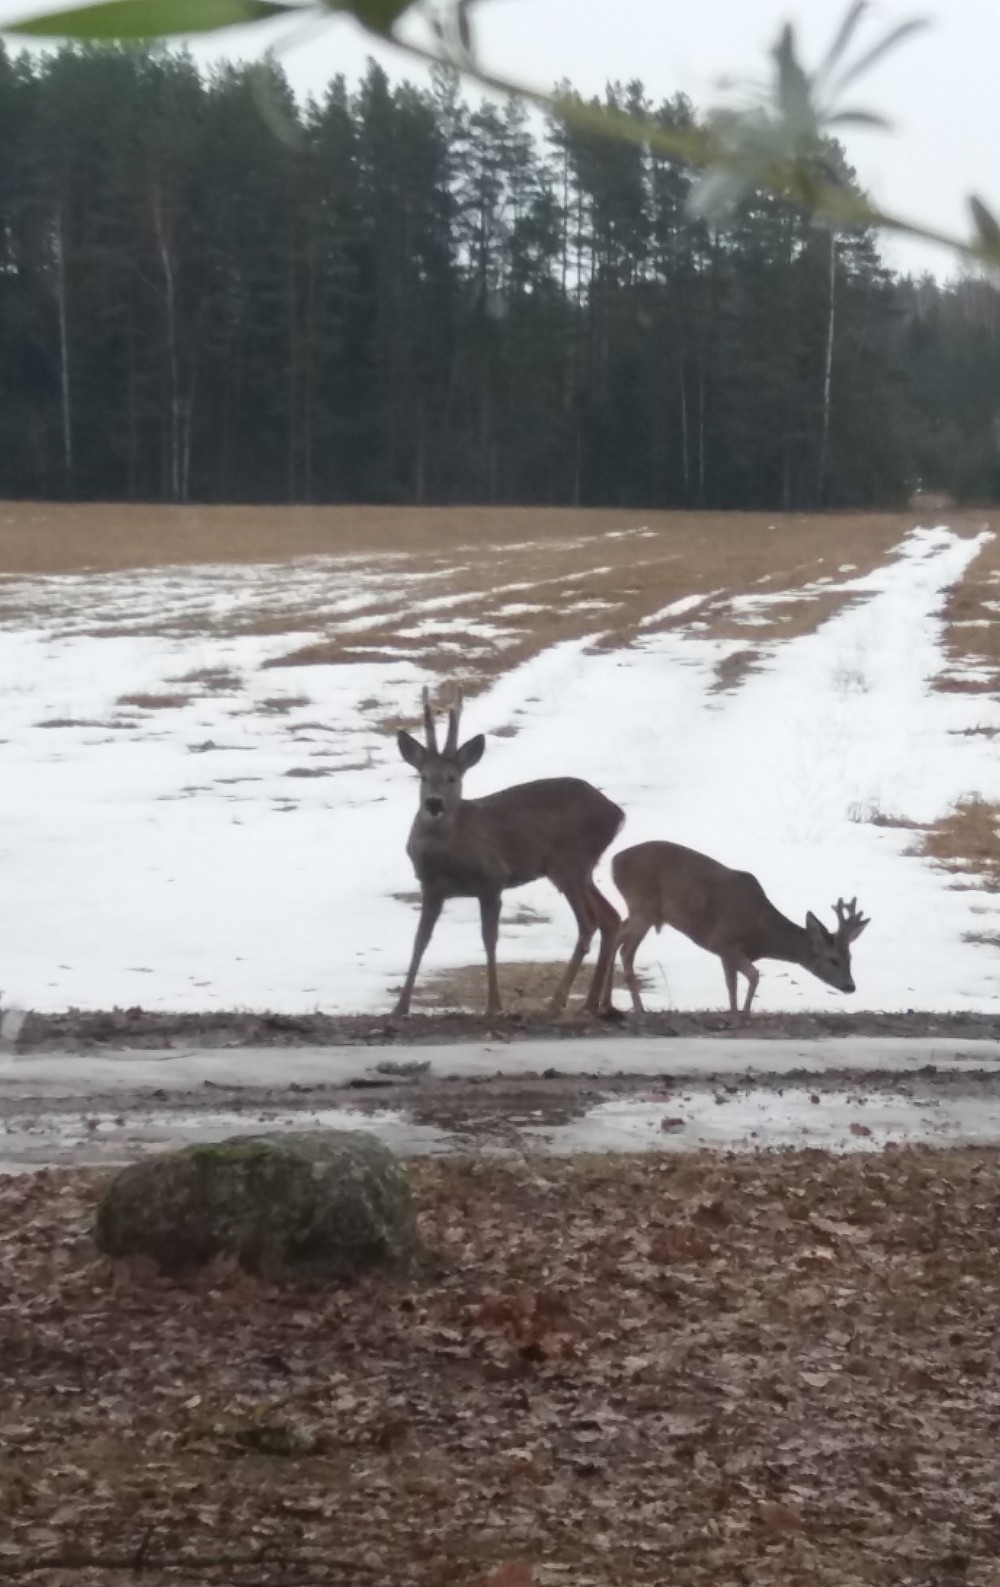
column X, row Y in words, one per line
column 211, row 292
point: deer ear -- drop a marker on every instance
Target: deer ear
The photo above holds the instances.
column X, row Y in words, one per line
column 858, row 927
column 815, row 926
column 471, row 752
column 412, row 752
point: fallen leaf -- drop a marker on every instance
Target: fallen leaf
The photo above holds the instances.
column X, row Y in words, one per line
column 513, row 1573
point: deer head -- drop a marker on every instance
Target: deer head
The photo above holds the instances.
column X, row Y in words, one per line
column 830, row 951
column 441, row 770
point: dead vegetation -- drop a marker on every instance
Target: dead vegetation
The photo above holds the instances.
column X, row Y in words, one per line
column 473, row 593
column 154, row 702
column 732, row 670
column 212, row 680
column 526, row 986
column 967, row 841
column 606, row 576
column 972, row 617
column 777, row 1370
column 280, row 704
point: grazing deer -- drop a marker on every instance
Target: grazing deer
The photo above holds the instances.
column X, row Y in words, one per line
column 726, row 912
column 557, row 827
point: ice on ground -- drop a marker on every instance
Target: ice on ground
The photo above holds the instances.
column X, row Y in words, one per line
column 217, row 853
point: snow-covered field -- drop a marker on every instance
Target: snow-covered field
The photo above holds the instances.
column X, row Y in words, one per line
column 237, row 839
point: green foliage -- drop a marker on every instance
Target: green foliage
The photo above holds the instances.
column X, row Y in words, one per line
column 148, row 19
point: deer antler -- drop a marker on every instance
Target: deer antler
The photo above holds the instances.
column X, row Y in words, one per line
column 429, row 723
column 850, row 921
column 454, row 717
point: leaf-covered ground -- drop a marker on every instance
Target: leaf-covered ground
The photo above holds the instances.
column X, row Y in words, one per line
column 701, row 1370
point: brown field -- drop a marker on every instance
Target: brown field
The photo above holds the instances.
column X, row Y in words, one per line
column 527, row 577
column 61, row 538
column 531, row 576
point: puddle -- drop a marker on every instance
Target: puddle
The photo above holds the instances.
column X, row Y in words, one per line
column 694, row 1118
column 82, row 1139
column 839, row 1121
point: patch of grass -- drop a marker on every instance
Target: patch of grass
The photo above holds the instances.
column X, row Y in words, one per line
column 525, row 986
column 280, row 704
column 951, row 683
column 69, row 721
column 733, row 670
column 155, row 702
column 967, row 840
column 871, row 814
column 213, row 680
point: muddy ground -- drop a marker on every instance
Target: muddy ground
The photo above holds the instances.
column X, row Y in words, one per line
column 102, row 1089
column 136, row 1028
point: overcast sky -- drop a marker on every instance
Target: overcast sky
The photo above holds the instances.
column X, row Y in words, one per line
column 940, row 89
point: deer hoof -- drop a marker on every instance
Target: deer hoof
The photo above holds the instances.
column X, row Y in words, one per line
column 615, row 1016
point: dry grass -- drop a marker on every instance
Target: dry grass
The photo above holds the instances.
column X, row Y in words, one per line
column 566, row 574
column 213, row 680
column 281, row 704
column 525, row 985
column 510, row 581
column 967, row 841
column 47, row 537
column 734, row 669
column 873, row 815
column 973, row 632
column 155, row 702
column 515, row 581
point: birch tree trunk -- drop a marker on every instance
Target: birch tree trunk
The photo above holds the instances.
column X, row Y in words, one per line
column 831, row 322
column 175, row 466
column 685, row 441
column 65, row 393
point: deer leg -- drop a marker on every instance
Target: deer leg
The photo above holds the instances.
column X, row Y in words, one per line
column 586, row 926
column 609, row 974
column 431, row 905
column 489, row 914
column 599, row 999
column 631, row 939
column 729, row 967
column 752, row 974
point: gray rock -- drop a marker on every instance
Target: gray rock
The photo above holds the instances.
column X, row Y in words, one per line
column 314, row 1208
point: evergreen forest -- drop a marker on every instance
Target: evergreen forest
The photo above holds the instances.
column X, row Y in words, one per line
column 211, row 292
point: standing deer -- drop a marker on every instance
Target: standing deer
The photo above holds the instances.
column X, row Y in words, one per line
column 726, row 912
column 557, row 827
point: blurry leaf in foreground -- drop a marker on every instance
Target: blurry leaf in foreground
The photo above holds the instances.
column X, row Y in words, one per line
column 987, row 230
column 379, row 16
column 150, row 19
column 775, row 140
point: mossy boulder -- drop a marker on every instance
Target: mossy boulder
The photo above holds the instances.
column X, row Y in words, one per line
column 315, row 1208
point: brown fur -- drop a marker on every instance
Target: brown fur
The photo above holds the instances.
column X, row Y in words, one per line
column 556, row 827
column 726, row 912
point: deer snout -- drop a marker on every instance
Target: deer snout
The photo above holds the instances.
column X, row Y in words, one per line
column 434, row 807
